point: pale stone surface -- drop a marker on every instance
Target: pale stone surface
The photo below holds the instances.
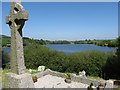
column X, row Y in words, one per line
column 41, row 68
column 12, row 80
column 109, row 84
column 83, row 73
column 102, row 82
column 55, row 73
column 49, row 81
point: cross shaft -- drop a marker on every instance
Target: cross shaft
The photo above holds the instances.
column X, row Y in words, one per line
column 16, row 21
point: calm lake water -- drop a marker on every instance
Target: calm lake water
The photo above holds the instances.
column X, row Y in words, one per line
column 70, row 48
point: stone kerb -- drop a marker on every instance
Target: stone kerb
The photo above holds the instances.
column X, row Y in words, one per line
column 42, row 73
column 48, row 71
column 89, row 81
column 54, row 73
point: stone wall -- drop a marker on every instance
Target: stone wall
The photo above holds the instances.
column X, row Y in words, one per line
column 76, row 78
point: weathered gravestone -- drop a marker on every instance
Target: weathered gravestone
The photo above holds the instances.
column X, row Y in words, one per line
column 17, row 78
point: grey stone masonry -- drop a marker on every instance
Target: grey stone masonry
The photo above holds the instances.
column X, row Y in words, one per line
column 16, row 21
column 12, row 80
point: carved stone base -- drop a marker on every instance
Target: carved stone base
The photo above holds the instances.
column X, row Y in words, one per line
column 12, row 80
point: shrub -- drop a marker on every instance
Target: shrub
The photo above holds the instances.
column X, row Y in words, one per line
column 90, row 61
column 5, row 60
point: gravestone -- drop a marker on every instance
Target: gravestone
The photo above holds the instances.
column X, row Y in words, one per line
column 17, row 78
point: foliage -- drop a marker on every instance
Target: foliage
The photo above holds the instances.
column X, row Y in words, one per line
column 60, row 42
column 5, row 71
column 95, row 63
column 67, row 76
column 84, row 42
column 95, row 77
column 109, row 43
column 0, row 75
column 112, row 66
column 90, row 61
column 5, row 60
column 118, row 88
column 27, row 41
column 118, row 49
column 5, row 40
column 43, row 56
column 32, row 71
column 0, row 58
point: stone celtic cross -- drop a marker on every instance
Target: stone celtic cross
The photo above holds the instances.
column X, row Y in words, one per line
column 16, row 21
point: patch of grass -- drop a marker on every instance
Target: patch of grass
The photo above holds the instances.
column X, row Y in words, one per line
column 94, row 77
column 33, row 71
column 0, row 75
column 6, row 71
column 2, row 72
column 117, row 87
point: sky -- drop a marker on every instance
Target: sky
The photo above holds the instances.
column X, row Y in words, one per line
column 67, row 20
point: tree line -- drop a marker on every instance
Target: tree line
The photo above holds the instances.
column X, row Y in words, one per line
column 26, row 41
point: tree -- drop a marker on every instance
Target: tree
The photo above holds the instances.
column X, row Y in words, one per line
column 118, row 49
column 112, row 66
column 5, row 60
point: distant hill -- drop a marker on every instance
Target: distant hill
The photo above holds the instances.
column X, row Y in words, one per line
column 26, row 41
column 7, row 40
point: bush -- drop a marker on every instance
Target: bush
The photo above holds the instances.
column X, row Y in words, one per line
column 5, row 60
column 111, row 69
column 90, row 61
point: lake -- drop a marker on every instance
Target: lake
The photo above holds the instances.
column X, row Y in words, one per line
column 70, row 48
